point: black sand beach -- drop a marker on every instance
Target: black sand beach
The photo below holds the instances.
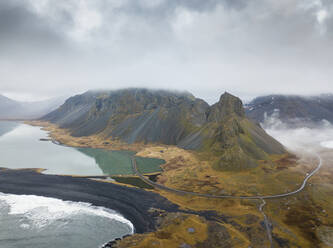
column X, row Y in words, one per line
column 132, row 203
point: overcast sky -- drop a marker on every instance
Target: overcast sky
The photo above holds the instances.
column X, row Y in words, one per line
column 246, row 47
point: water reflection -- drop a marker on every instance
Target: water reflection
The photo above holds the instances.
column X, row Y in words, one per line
column 7, row 126
column 119, row 162
column 110, row 162
column 20, row 147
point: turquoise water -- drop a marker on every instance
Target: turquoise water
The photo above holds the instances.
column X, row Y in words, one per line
column 20, row 147
column 119, row 162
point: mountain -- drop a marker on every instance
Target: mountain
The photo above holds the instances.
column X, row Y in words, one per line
column 173, row 118
column 11, row 109
column 292, row 110
column 6, row 106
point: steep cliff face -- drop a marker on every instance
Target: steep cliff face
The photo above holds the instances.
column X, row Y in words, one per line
column 236, row 142
column 72, row 113
column 141, row 115
column 133, row 115
column 226, row 106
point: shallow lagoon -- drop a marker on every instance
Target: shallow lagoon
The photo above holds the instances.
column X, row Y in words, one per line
column 21, row 147
column 35, row 221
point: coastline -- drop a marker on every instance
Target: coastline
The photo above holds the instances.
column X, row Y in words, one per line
column 146, row 210
column 139, row 206
column 134, row 204
column 216, row 213
column 168, row 214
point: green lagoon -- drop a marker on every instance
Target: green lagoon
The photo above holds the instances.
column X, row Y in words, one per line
column 21, row 147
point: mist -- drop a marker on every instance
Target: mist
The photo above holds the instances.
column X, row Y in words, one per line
column 302, row 138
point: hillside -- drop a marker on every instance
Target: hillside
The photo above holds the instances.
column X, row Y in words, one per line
column 6, row 106
column 292, row 110
column 11, row 109
column 173, row 118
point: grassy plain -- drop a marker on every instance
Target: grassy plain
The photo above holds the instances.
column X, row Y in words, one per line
column 303, row 220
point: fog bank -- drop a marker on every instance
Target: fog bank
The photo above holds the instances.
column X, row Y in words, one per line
column 302, row 137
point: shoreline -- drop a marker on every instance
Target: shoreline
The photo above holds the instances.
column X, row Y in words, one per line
column 139, row 206
column 136, row 205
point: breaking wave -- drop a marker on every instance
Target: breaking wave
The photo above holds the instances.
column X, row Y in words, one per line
column 43, row 211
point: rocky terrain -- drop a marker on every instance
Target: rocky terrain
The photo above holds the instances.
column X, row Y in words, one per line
column 231, row 155
column 291, row 109
column 171, row 118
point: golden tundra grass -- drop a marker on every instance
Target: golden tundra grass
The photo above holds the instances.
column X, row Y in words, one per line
column 292, row 217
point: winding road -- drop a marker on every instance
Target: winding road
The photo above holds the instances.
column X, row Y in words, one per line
column 183, row 192
column 258, row 197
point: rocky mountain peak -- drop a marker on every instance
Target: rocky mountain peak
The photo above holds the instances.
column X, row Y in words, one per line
column 172, row 118
column 231, row 104
column 227, row 105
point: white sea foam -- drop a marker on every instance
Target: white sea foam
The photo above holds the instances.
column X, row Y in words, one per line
column 25, row 226
column 42, row 211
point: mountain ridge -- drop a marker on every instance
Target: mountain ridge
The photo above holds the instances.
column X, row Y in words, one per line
column 293, row 110
column 172, row 118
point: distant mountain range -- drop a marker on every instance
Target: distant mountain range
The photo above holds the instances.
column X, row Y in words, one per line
column 291, row 110
column 173, row 118
column 11, row 109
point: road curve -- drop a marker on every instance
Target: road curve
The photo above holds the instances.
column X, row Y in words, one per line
column 260, row 197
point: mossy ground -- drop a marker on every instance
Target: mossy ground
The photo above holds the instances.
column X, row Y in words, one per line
column 134, row 181
column 177, row 229
column 184, row 230
column 303, row 220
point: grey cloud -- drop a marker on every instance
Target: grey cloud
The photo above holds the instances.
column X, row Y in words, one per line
column 25, row 31
column 167, row 7
column 245, row 47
